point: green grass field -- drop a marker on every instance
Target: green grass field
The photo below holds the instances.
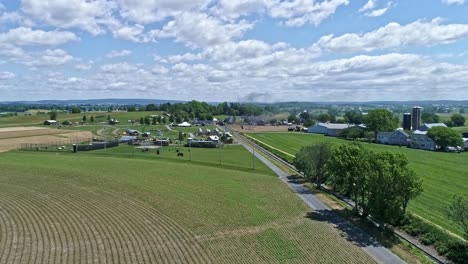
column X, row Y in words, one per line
column 443, row 174
column 229, row 156
column 91, row 207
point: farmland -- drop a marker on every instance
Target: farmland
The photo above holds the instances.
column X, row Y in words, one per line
column 14, row 137
column 443, row 174
column 64, row 208
column 35, row 120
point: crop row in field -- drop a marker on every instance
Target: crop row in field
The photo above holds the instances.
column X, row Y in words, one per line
column 63, row 208
column 443, row 174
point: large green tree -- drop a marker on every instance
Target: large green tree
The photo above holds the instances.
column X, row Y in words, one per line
column 381, row 120
column 458, row 120
column 312, row 160
column 391, row 185
column 445, row 136
column 381, row 184
column 427, row 117
column 75, row 110
column 354, row 117
column 348, row 169
column 53, row 115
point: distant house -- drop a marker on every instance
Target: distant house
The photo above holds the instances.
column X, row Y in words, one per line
column 397, row 137
column 420, row 140
column 213, row 138
column 428, row 126
column 184, row 124
column 132, row 132
column 50, row 122
column 329, row 129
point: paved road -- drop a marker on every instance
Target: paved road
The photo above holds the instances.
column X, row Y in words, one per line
column 323, row 213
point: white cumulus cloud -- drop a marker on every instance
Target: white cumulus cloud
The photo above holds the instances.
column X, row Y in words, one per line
column 394, row 35
column 28, row 36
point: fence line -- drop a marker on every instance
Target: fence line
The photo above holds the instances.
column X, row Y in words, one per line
column 54, row 144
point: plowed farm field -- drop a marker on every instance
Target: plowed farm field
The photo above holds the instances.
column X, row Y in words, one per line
column 66, row 208
column 15, row 137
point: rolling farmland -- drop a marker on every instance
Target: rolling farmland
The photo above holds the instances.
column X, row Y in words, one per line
column 443, row 174
column 66, row 208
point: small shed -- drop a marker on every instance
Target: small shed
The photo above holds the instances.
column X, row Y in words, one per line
column 184, row 124
column 50, row 122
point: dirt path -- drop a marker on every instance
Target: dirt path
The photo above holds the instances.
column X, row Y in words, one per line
column 100, row 132
column 116, row 132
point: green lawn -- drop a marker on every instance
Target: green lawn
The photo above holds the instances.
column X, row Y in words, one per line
column 443, row 174
column 229, row 156
column 62, row 207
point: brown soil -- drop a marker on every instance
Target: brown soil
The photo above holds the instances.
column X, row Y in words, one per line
column 14, row 138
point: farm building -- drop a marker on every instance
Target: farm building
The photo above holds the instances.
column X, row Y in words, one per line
column 132, row 132
column 184, row 124
column 428, row 126
column 50, row 122
column 127, row 139
column 213, row 138
column 328, row 129
column 161, row 142
column 397, row 137
column 196, row 143
column 420, row 140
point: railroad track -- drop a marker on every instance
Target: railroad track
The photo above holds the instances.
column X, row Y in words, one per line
column 400, row 235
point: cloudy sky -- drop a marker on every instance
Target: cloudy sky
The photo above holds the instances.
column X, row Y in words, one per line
column 234, row 50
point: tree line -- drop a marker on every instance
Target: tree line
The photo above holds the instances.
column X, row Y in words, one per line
column 380, row 183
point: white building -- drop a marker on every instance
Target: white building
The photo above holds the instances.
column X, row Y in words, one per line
column 328, row 129
column 397, row 137
column 428, row 126
column 50, row 122
column 420, row 140
column 184, row 124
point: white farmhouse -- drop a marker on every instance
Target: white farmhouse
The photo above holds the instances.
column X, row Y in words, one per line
column 420, row 140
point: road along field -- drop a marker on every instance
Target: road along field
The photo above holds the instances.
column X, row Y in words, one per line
column 67, row 208
column 443, row 174
column 16, row 137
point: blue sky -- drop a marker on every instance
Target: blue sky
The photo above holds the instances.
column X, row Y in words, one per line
column 234, row 50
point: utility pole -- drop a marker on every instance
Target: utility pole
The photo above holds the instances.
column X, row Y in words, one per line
column 190, row 150
column 220, row 152
column 253, row 156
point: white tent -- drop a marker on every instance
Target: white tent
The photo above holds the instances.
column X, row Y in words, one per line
column 184, row 124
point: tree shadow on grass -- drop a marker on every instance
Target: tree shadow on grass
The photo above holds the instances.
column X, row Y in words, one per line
column 350, row 231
